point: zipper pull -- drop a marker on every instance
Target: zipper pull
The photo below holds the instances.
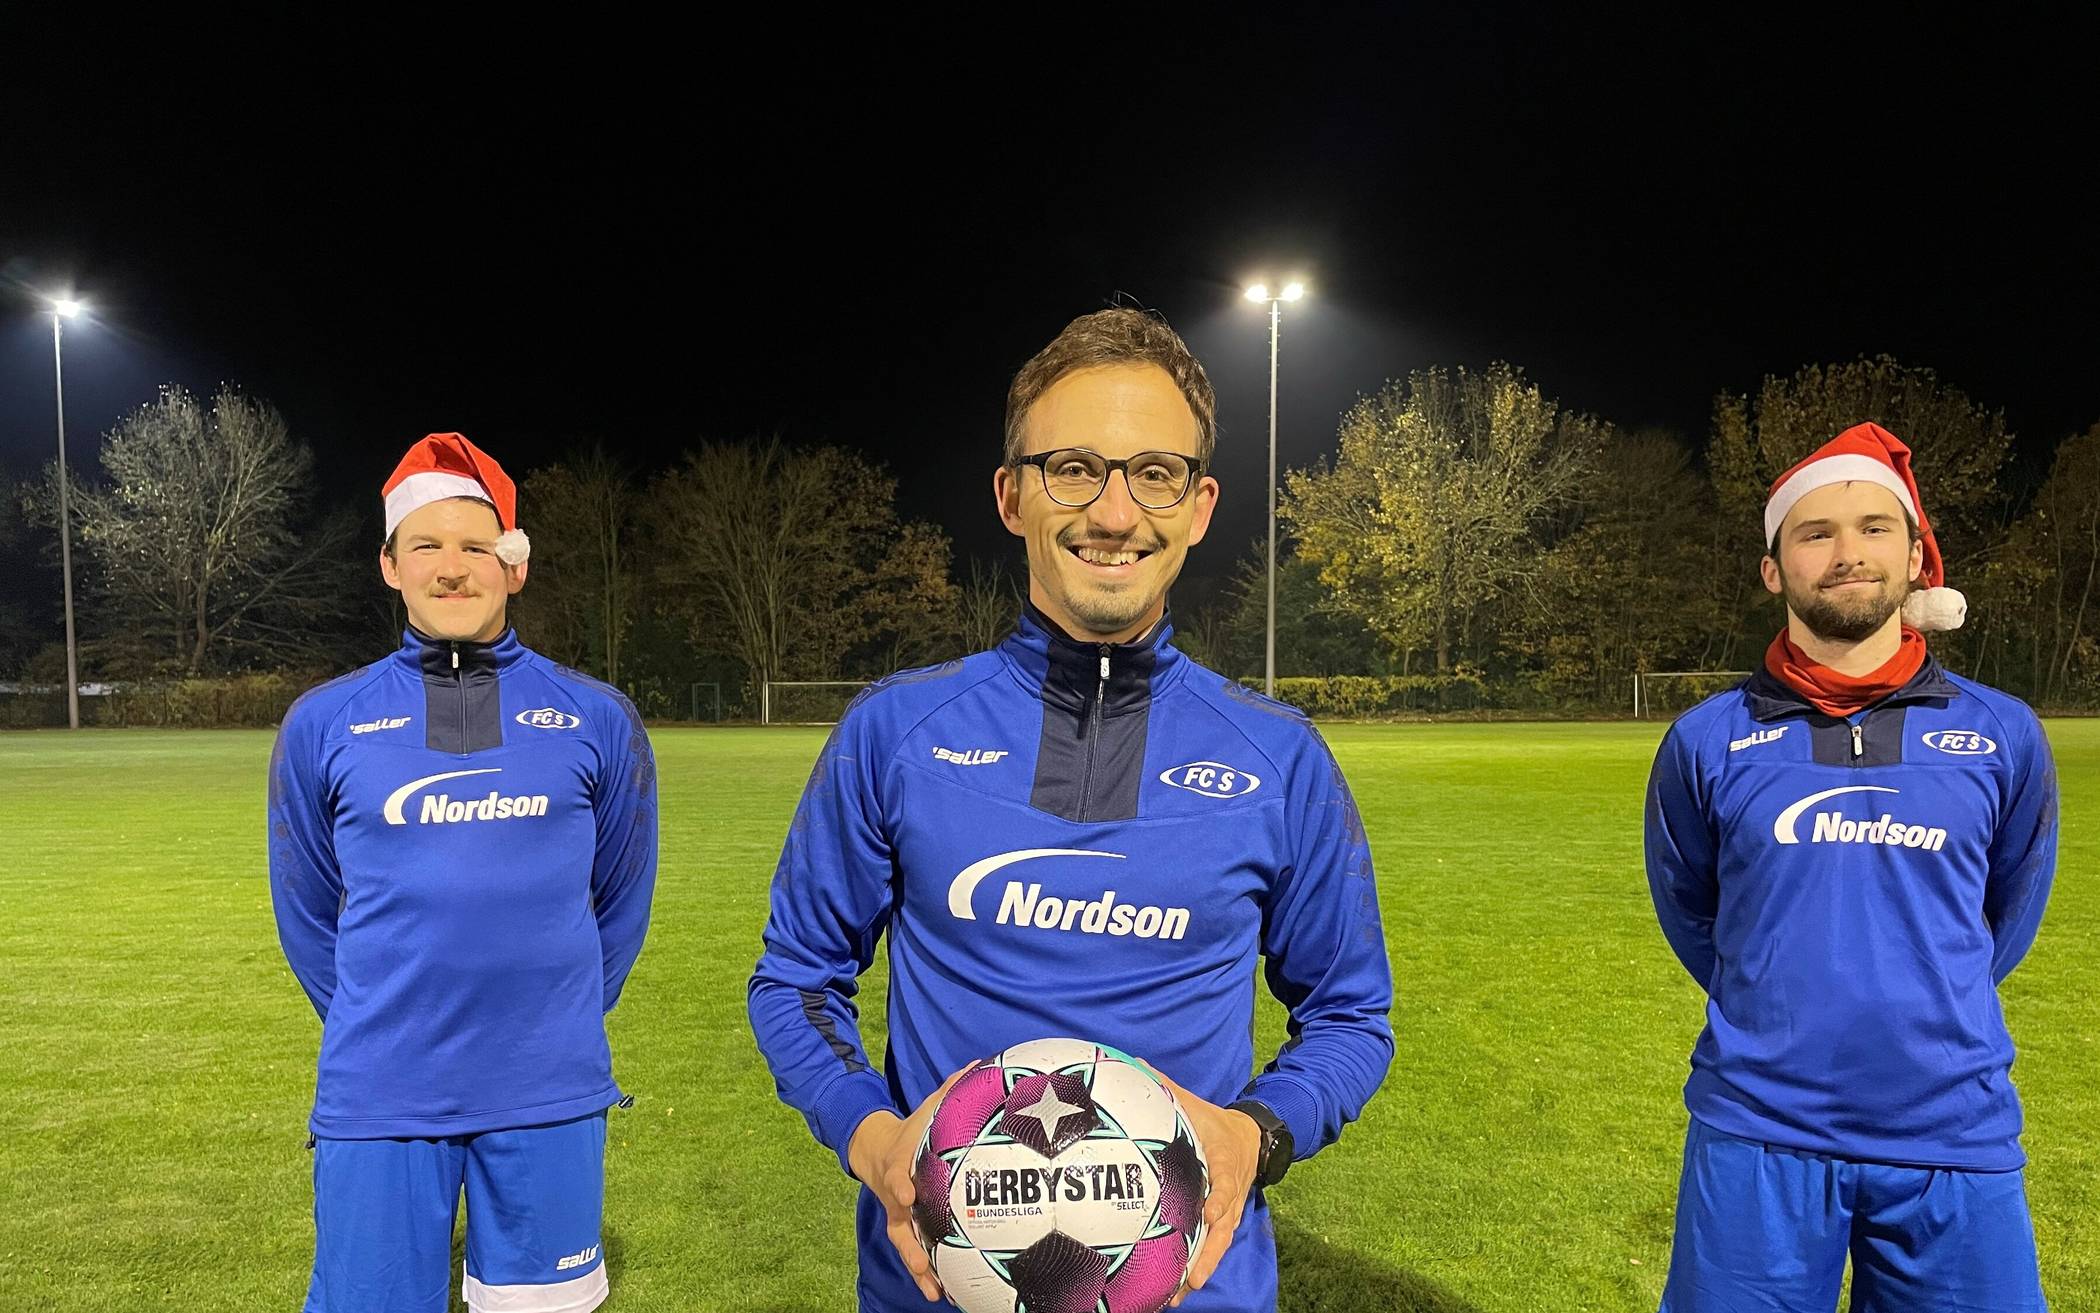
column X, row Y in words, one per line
column 1859, row 749
column 455, row 666
column 1104, row 665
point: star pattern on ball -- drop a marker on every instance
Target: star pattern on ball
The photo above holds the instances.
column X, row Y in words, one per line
column 1049, row 1112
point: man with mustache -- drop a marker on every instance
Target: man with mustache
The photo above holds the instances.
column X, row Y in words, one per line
column 1082, row 833
column 1848, row 852
column 462, row 853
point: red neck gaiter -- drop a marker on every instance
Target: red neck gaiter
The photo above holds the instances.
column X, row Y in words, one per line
column 1836, row 694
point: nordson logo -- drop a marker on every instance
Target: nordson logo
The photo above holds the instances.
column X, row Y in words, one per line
column 1836, row 827
column 1027, row 905
column 444, row 809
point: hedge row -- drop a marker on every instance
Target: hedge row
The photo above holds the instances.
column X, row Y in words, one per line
column 1356, row 697
column 223, row 702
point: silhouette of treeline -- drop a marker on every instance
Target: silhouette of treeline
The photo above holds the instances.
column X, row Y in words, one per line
column 1469, row 542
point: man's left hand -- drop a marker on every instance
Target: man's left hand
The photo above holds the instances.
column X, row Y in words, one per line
column 1231, row 1145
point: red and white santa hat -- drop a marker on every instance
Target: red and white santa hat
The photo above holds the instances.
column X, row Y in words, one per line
column 447, row 465
column 1869, row 453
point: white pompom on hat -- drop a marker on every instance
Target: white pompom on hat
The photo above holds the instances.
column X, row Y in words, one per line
column 1870, row 453
column 447, row 465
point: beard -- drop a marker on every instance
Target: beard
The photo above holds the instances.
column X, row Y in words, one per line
column 1105, row 609
column 1843, row 617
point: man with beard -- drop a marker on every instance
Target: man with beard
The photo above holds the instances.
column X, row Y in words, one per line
column 1082, row 833
column 1848, row 852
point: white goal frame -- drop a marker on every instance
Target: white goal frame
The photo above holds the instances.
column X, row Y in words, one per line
column 765, row 697
column 1676, row 674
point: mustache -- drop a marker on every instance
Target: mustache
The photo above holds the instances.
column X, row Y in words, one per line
column 1134, row 543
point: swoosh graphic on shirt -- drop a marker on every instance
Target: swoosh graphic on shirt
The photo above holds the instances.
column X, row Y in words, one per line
column 1783, row 828
column 967, row 880
column 400, row 795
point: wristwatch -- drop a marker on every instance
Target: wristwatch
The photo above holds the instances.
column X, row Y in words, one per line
column 1276, row 1144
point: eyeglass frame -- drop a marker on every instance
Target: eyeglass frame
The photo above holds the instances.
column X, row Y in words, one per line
column 1041, row 462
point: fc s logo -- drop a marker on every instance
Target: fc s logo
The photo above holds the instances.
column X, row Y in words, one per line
column 1212, row 779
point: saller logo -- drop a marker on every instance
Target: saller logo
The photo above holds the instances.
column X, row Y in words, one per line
column 1834, row 827
column 548, row 718
column 441, row 808
column 1213, row 779
column 577, row 1259
column 1960, row 742
column 1026, row 905
column 973, row 757
column 384, row 722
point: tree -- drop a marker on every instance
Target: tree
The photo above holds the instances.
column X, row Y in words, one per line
column 986, row 605
column 1439, row 504
column 792, row 560
column 199, row 550
column 1638, row 582
column 1314, row 635
column 578, row 605
column 1958, row 446
column 2061, row 537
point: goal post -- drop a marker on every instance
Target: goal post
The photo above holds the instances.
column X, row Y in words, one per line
column 1694, row 683
column 806, row 701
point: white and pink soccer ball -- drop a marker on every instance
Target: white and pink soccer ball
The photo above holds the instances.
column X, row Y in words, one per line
column 1059, row 1176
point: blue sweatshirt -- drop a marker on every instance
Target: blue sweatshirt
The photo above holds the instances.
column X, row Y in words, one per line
column 1064, row 838
column 462, row 853
column 1849, row 892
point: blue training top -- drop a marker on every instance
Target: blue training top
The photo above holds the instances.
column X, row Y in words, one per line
column 1066, row 838
column 462, row 854
column 1849, row 892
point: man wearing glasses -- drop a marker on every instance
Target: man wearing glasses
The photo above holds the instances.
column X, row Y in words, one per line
column 1082, row 833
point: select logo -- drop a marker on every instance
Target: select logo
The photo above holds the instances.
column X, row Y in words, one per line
column 1960, row 742
column 1212, row 779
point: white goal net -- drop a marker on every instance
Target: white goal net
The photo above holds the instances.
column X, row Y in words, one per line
column 1667, row 692
column 807, row 701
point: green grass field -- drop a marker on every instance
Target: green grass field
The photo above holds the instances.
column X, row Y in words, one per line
column 156, row 1057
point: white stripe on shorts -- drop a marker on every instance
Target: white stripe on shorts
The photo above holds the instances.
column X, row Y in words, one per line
column 578, row 1295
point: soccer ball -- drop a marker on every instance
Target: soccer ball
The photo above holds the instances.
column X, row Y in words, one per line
column 1059, row 1177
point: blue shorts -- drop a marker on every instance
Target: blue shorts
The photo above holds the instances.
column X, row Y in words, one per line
column 383, row 1214
column 1762, row 1229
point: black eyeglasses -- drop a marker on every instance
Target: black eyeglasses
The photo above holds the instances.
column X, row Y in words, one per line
column 1074, row 476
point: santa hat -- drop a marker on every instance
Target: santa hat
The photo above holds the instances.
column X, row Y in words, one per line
column 1869, row 453
column 446, row 465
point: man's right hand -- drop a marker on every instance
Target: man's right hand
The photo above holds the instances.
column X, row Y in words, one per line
column 880, row 1155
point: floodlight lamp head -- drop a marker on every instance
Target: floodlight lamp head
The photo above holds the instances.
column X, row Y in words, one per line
column 1258, row 292
column 1292, row 291
column 67, row 306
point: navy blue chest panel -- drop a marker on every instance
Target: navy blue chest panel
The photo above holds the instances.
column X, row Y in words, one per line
column 462, row 700
column 1090, row 756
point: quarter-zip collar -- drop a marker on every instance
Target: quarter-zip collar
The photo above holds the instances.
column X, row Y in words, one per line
column 1771, row 698
column 462, row 687
column 1070, row 673
column 448, row 658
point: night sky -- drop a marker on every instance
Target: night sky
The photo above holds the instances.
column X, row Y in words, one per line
column 653, row 238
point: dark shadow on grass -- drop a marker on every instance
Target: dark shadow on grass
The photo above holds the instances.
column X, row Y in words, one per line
column 1314, row 1276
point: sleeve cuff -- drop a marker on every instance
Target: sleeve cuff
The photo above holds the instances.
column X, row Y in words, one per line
column 1295, row 1106
column 844, row 1106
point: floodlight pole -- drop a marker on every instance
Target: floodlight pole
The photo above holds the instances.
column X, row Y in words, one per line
column 65, row 527
column 1268, row 666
